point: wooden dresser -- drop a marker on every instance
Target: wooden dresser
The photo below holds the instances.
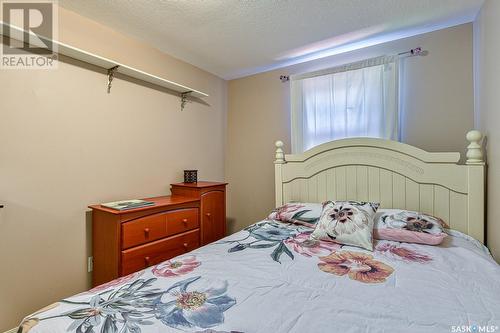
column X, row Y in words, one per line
column 127, row 241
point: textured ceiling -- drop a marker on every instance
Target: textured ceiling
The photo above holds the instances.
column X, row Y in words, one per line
column 234, row 38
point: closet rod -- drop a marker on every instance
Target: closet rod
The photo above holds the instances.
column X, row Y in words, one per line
column 112, row 66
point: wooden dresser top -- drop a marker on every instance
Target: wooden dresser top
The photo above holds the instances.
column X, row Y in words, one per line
column 199, row 184
column 163, row 201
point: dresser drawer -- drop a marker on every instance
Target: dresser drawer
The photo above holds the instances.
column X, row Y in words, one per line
column 143, row 230
column 143, row 256
column 182, row 220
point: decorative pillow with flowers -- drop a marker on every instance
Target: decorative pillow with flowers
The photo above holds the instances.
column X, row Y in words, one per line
column 409, row 226
column 306, row 214
column 347, row 222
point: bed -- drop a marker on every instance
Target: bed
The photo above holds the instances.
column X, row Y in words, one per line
column 266, row 278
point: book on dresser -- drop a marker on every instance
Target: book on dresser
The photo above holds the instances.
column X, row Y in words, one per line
column 127, row 204
column 126, row 241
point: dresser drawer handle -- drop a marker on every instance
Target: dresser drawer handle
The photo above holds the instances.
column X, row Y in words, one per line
column 208, row 214
column 185, row 245
column 146, row 261
column 146, row 232
column 185, row 221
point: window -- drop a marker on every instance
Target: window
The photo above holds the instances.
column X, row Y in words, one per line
column 355, row 100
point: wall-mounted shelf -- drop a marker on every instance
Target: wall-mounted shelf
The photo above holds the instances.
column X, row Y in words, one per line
column 112, row 66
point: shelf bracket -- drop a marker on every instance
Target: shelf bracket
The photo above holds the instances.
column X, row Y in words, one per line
column 184, row 99
column 111, row 76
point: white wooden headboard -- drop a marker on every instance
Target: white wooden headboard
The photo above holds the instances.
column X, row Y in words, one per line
column 395, row 174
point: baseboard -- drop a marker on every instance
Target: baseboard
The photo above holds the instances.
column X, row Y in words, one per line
column 14, row 330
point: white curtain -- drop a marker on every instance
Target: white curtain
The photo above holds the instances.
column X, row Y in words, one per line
column 354, row 100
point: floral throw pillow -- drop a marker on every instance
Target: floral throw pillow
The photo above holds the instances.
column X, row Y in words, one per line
column 306, row 214
column 409, row 226
column 347, row 222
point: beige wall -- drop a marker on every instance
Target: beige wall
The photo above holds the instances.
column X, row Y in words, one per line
column 487, row 48
column 438, row 111
column 65, row 143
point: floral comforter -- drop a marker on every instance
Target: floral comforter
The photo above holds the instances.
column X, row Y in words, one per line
column 270, row 278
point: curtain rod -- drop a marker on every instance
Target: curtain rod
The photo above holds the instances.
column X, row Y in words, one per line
column 414, row 52
column 411, row 53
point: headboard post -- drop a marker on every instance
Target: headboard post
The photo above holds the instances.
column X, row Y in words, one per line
column 278, row 175
column 476, row 190
column 474, row 151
